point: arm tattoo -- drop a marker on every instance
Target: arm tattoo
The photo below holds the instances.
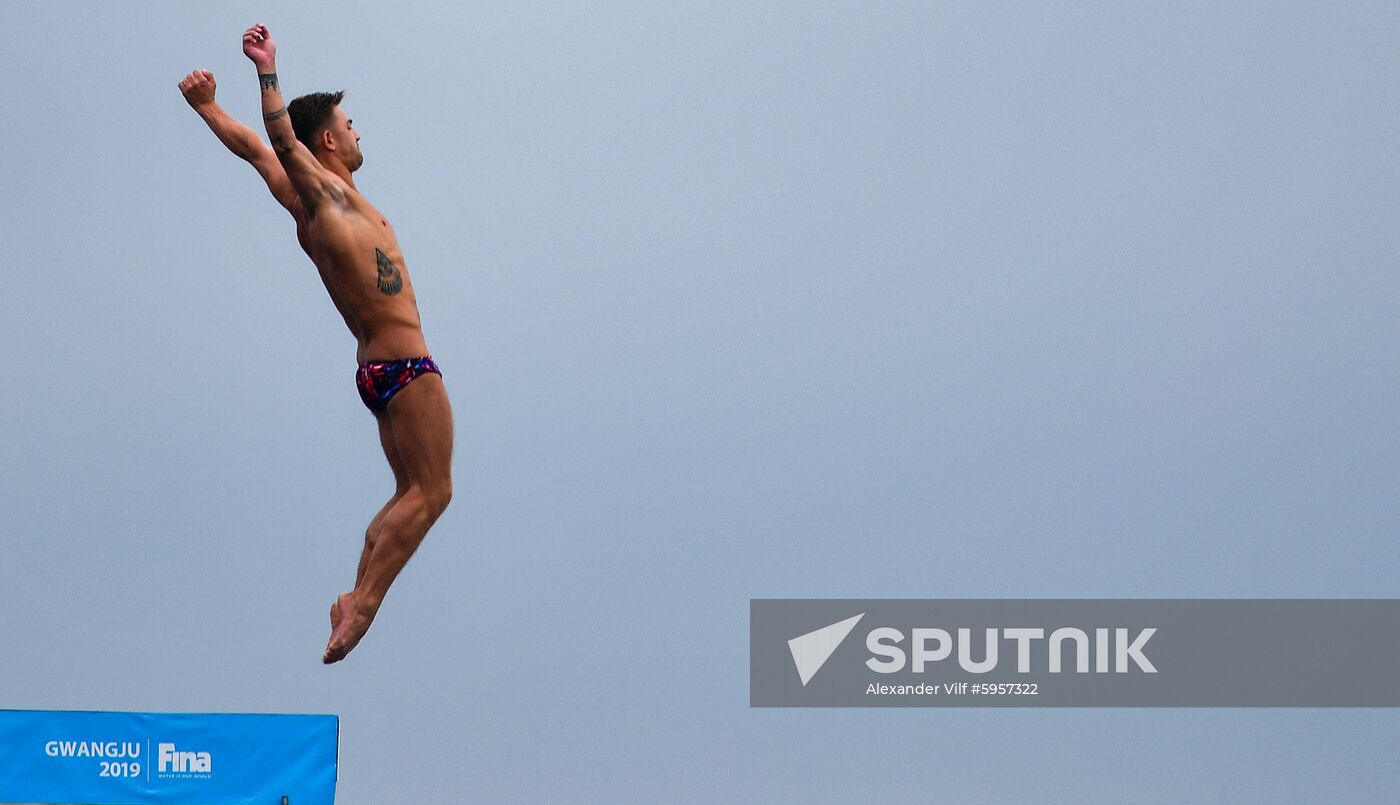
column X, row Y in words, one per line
column 271, row 116
column 390, row 279
column 267, row 81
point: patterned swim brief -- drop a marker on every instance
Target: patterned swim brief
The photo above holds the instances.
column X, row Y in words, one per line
column 379, row 381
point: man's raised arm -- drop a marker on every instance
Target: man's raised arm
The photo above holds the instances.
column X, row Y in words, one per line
column 198, row 88
column 307, row 175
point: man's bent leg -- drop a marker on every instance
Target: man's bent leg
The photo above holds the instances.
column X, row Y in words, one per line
column 391, row 453
column 420, row 419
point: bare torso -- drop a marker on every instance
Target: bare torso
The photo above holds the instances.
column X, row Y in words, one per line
column 358, row 256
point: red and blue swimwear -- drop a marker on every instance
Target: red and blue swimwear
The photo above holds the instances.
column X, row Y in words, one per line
column 379, row 381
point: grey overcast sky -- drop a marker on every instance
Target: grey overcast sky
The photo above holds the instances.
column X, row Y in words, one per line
column 733, row 300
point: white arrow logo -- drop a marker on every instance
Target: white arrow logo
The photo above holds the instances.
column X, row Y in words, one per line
column 811, row 651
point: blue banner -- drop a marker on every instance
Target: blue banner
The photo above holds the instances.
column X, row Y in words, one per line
column 167, row 758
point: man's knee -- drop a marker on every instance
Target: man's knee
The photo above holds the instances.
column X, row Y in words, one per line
column 436, row 496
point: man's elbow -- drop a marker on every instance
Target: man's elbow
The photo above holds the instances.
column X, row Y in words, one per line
column 283, row 145
column 248, row 152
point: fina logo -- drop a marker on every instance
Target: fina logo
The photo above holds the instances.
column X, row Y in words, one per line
column 168, row 759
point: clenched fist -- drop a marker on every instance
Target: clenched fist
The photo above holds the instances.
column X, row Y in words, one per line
column 198, row 88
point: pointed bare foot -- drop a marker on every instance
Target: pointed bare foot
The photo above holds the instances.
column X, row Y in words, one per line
column 349, row 622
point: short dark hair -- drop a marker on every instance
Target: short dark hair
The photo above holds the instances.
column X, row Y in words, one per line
column 312, row 113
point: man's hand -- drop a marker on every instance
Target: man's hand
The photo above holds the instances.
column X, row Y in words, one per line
column 258, row 46
column 198, row 88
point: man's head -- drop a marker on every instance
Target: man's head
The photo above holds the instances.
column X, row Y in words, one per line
column 322, row 126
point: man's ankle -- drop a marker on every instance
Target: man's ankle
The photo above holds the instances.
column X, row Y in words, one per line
column 365, row 600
